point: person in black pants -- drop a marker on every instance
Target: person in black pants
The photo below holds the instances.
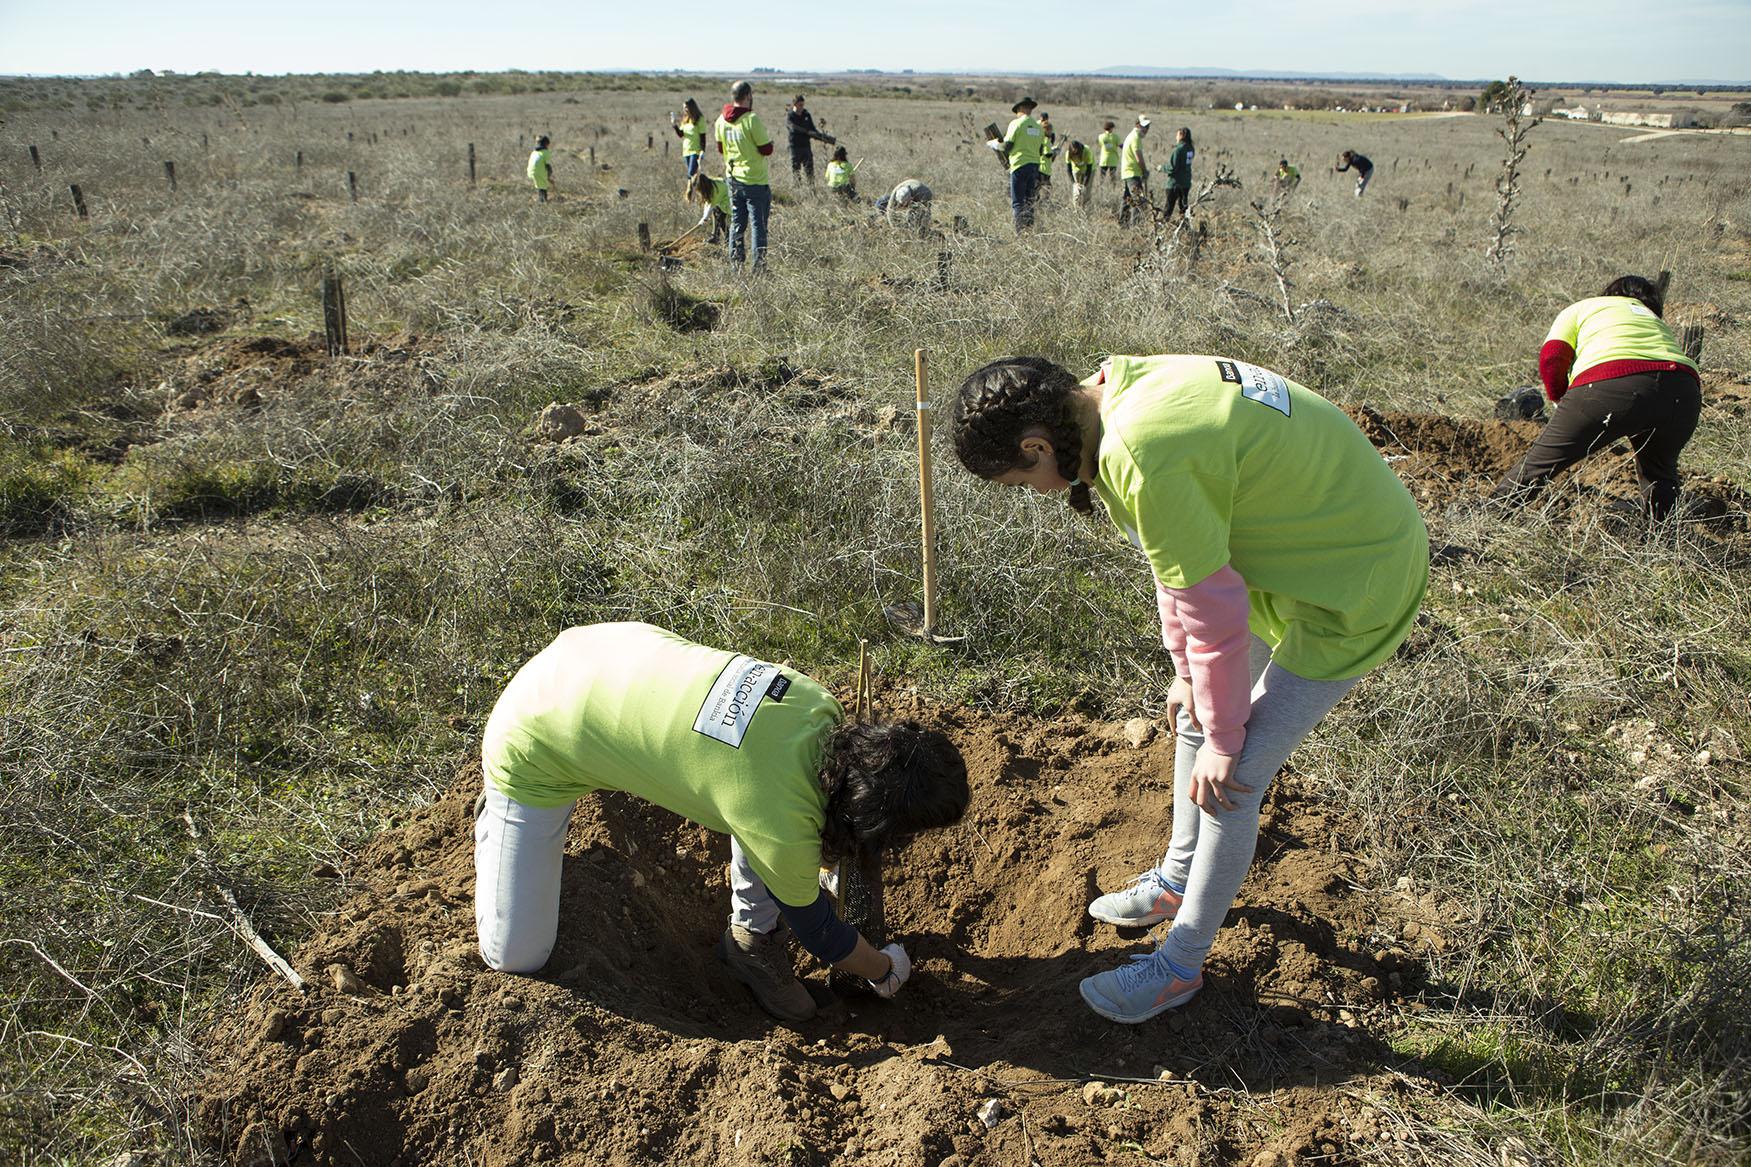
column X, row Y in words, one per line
column 1350, row 160
column 1617, row 373
column 803, row 133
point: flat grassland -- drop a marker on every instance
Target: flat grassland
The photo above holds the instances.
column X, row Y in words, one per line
column 1499, row 915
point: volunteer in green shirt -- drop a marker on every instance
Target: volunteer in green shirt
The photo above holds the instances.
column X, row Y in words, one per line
column 751, row 749
column 1135, row 172
column 1079, row 161
column 1615, row 372
column 1109, row 152
column 1288, row 177
column 541, row 168
column 713, row 195
column 1289, row 560
column 743, row 141
column 690, row 128
column 1048, row 152
column 1021, row 144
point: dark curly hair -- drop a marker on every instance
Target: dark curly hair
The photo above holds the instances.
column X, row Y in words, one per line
column 885, row 783
column 1637, row 288
column 999, row 403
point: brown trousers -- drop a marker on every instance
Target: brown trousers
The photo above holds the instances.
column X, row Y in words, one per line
column 1656, row 412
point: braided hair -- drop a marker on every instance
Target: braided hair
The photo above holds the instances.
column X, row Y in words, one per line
column 999, row 403
column 885, row 783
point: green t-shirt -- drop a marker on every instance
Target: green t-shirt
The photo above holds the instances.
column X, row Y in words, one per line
column 692, row 138
column 732, row 743
column 1048, row 151
column 540, row 169
column 740, row 141
column 1614, row 328
column 838, row 174
column 720, row 195
column 1080, row 168
column 1206, row 461
column 1024, row 139
column 1109, row 148
column 1131, row 156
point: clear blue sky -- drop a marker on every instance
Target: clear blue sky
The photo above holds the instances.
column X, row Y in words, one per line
column 1558, row 40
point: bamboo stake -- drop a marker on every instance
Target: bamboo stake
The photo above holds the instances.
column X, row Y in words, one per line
column 862, row 680
column 926, row 496
column 238, row 920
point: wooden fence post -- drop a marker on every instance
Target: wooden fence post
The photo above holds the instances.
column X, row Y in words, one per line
column 471, row 164
column 170, row 174
column 592, row 158
column 353, row 185
column 334, row 311
column 36, row 160
column 644, row 236
column 79, row 201
column 650, row 141
column 298, row 162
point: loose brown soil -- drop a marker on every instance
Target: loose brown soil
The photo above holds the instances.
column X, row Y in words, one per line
column 633, row 1046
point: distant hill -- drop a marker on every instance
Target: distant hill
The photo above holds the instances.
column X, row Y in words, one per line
column 1260, row 74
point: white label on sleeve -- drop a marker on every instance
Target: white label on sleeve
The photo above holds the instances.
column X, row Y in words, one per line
column 735, row 695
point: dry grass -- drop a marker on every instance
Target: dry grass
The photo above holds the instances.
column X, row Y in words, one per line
column 292, row 613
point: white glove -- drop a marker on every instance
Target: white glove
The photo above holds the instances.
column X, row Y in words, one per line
column 996, row 144
column 890, row 984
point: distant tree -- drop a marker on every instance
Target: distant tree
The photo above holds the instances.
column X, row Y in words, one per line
column 1468, row 103
column 1494, row 94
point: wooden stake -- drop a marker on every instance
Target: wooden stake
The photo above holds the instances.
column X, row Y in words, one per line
column 862, row 679
column 334, row 311
column 592, row 158
column 298, row 162
column 926, row 496
column 79, row 201
column 471, row 164
column 170, row 174
column 353, row 186
column 1662, row 282
column 238, row 920
column 644, row 236
column 36, row 160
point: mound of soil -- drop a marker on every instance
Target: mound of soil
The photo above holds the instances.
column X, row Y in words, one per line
column 634, row 1046
column 246, row 372
column 1443, row 459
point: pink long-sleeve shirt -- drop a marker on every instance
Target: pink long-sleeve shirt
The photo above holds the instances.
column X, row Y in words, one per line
column 1205, row 629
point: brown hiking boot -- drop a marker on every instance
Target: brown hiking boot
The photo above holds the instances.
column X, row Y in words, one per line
column 762, row 962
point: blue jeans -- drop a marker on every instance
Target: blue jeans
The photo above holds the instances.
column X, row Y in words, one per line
column 1024, row 183
column 748, row 202
column 692, row 161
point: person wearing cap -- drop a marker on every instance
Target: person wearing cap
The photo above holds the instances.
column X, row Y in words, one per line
column 907, row 206
column 1135, row 172
column 541, row 168
column 1021, row 144
column 801, row 124
column 743, row 141
column 1109, row 152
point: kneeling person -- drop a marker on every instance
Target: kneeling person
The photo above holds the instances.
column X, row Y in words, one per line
column 754, row 750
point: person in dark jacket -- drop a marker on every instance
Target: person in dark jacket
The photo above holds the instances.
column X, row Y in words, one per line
column 1616, row 372
column 1350, row 160
column 801, row 124
column 1179, row 172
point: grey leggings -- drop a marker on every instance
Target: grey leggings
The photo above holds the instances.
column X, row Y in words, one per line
column 1209, row 853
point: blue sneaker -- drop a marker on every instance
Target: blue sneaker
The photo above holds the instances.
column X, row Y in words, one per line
column 1147, row 902
column 1137, row 991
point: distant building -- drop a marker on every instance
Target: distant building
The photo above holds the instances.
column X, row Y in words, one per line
column 1661, row 121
